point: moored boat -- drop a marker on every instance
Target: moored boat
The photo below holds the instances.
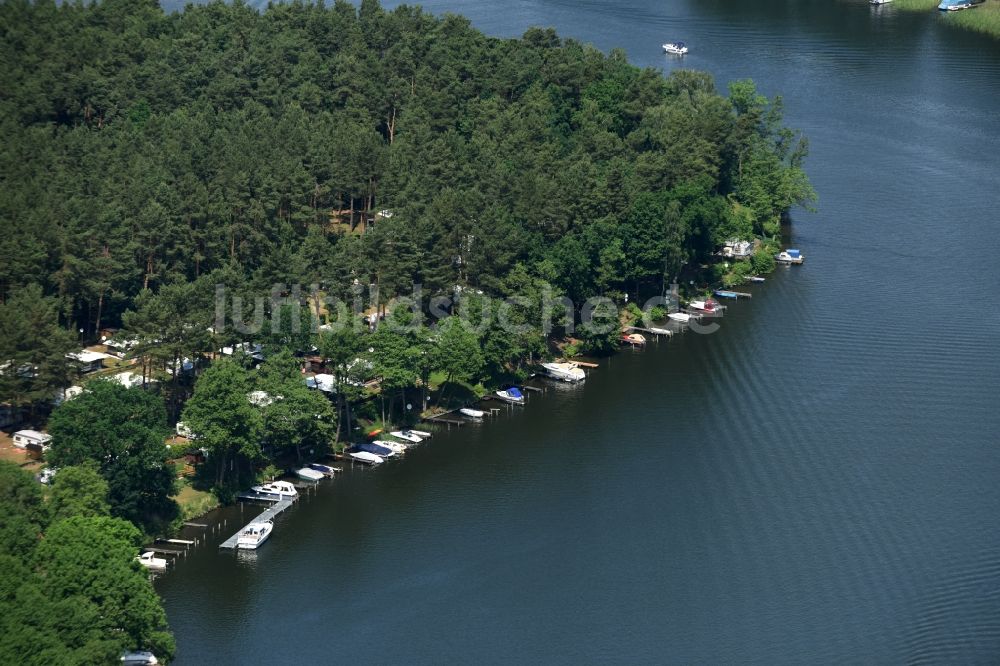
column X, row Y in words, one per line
column 139, row 658
column 276, row 489
column 566, row 372
column 396, row 447
column 407, row 436
column 326, row 470
column 790, row 257
column 254, row 534
column 682, row 317
column 309, row 474
column 512, row 395
column 707, row 305
column 755, row 279
column 365, row 457
column 377, row 449
column 675, row 48
column 423, row 434
column 152, row 562
column 634, row 339
column 472, row 413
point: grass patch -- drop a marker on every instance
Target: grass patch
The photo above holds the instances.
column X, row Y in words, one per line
column 194, row 503
column 983, row 18
column 916, row 5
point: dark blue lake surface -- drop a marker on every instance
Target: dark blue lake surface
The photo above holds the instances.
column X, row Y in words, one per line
column 819, row 481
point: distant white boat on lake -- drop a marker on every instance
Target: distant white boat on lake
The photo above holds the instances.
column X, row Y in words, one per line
column 254, row 534
column 139, row 658
column 472, row 413
column 675, row 48
column 879, row 2
column 790, row 257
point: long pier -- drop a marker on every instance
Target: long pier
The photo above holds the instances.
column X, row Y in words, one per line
column 278, row 507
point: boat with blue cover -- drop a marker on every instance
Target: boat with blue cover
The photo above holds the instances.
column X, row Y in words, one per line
column 377, row 449
column 512, row 395
column 790, row 257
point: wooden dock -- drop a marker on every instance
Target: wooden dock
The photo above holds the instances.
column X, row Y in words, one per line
column 652, row 331
column 275, row 509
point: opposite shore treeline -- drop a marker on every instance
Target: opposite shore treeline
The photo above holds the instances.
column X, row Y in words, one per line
column 148, row 158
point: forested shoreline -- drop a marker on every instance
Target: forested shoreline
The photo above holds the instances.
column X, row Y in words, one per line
column 151, row 159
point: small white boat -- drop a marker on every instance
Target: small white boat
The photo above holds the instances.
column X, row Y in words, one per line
column 756, row 279
column 366, row 458
column 309, row 474
column 254, row 534
column 279, row 489
column 682, row 317
column 420, row 433
column 660, row 331
column 704, row 306
column 566, row 372
column 395, row 447
column 472, row 413
column 152, row 562
column 879, row 2
column 326, row 470
column 634, row 339
column 407, row 436
column 139, row 658
column 675, row 48
column 512, row 395
column 790, row 257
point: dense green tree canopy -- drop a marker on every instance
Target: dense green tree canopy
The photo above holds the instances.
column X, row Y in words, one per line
column 72, row 593
column 121, row 431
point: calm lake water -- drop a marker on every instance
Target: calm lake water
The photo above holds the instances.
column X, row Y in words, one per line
column 819, row 481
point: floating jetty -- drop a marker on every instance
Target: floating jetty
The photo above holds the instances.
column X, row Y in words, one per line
column 723, row 293
column 278, row 507
column 652, row 331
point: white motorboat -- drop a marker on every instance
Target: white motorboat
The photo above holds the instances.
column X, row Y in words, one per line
column 634, row 339
column 790, row 257
column 309, row 474
column 675, row 48
column 366, row 457
column 423, row 434
column 472, row 413
column 395, row 447
column 139, row 658
column 660, row 331
column 254, row 534
column 707, row 305
column 682, row 317
column 407, row 436
column 512, row 395
column 879, row 2
column 152, row 562
column 279, row 489
column 566, row 372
